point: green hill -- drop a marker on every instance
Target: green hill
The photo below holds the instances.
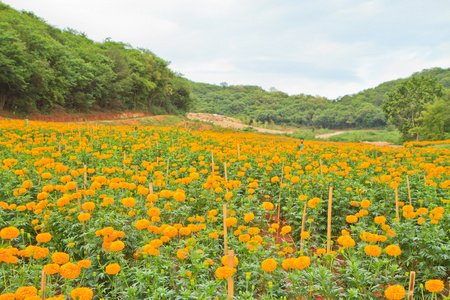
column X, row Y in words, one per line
column 43, row 68
column 361, row 110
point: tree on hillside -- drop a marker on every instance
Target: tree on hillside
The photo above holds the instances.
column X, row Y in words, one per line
column 404, row 104
column 435, row 121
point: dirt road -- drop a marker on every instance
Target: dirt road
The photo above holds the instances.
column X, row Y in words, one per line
column 229, row 122
column 327, row 135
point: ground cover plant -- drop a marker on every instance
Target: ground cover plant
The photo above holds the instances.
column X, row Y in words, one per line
column 126, row 212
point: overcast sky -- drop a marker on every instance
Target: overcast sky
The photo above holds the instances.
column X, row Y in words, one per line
column 318, row 47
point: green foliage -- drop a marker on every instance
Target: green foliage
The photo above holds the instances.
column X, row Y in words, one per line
column 277, row 107
column 357, row 136
column 435, row 121
column 404, row 105
column 361, row 110
column 43, row 68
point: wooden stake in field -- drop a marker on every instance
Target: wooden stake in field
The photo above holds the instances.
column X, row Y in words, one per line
column 409, row 190
column 303, row 226
column 282, row 174
column 167, row 170
column 43, row 283
column 225, row 243
column 396, row 202
column 412, row 278
column 150, row 187
column 330, row 199
column 321, row 169
column 85, row 175
column 226, row 176
column 230, row 280
column 212, row 163
column 239, row 152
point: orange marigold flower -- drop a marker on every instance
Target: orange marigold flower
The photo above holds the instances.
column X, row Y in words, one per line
column 82, row 293
column 351, row 219
column 179, row 195
column 84, row 217
column 231, row 222
column 285, row 230
column 170, row 231
column 208, row 262
column 9, row 233
column 183, row 253
column 372, row 250
column 117, row 246
column 393, row 250
column 185, row 230
column 395, row 292
column 304, row 235
column 7, row 296
column 301, row 262
column 268, row 205
column 380, row 220
column 153, row 212
column 365, row 203
column 224, row 260
column 52, row 269
column 85, row 263
column 112, row 269
column 88, row 206
column 346, row 241
column 60, row 258
column 142, row 224
column 43, row 237
column 249, row 217
column 253, row 230
column 269, row 265
column 434, row 286
column 70, row 270
column 224, row 272
column 25, row 292
column 128, row 202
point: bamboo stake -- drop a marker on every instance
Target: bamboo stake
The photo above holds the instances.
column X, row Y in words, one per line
column 136, row 170
column 85, row 175
column 321, row 169
column 396, row 202
column 230, row 280
column 330, row 199
column 43, row 283
column 225, row 243
column 282, row 174
column 412, row 279
column 303, row 226
column 226, row 176
column 409, row 190
column 59, row 150
column 167, row 170
column 212, row 163
column 150, row 187
column 239, row 152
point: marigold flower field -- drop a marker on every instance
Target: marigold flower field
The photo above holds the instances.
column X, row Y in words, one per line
column 119, row 212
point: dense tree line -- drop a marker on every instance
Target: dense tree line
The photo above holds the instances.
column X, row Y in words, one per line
column 43, row 68
column 361, row 110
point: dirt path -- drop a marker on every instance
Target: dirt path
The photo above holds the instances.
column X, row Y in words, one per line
column 229, row 122
column 327, row 135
